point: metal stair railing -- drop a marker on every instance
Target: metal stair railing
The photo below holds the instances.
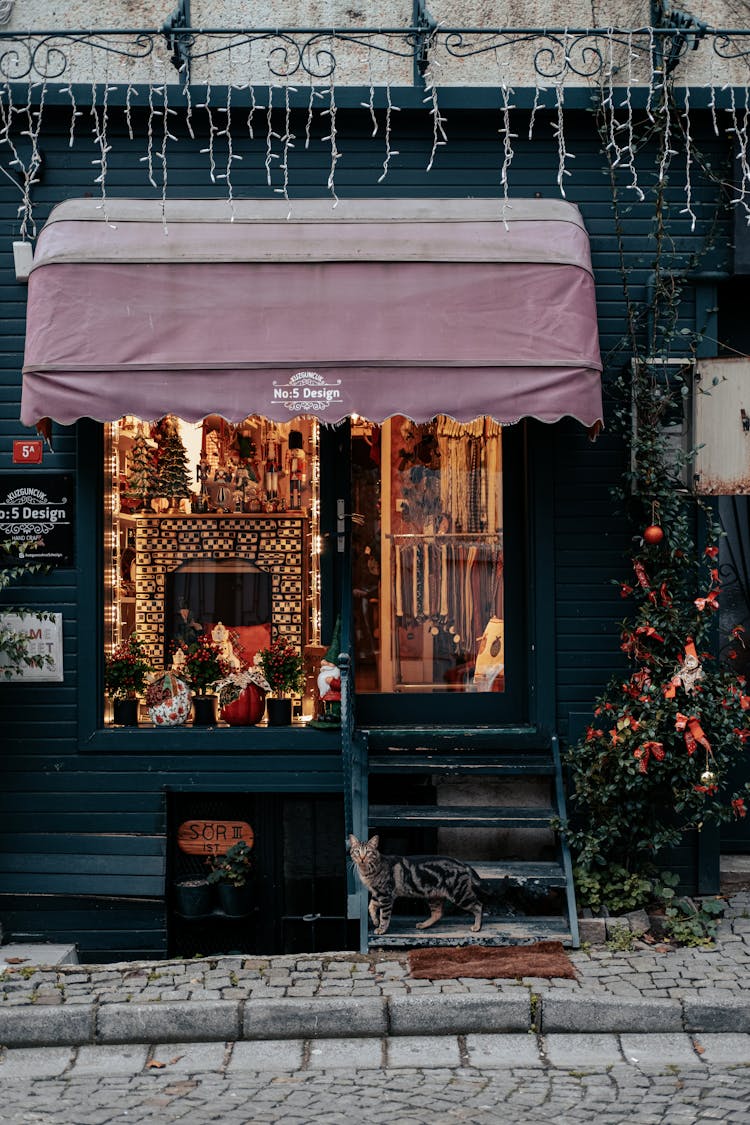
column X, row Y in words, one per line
column 570, row 893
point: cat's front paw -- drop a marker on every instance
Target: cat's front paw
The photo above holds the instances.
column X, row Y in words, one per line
column 382, row 929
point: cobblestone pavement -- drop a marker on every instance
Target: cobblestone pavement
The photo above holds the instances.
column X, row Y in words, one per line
column 652, row 972
column 479, row 1080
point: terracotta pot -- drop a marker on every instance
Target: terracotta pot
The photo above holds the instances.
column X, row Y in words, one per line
column 247, row 709
column 125, row 712
column 279, row 712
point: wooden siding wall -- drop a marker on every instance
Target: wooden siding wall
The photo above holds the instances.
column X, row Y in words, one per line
column 82, row 848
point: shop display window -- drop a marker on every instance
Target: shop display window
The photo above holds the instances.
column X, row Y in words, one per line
column 428, row 556
column 211, row 538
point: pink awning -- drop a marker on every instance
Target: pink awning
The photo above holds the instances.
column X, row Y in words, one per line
column 376, row 308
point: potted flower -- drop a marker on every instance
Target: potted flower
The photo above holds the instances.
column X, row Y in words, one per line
column 229, row 873
column 125, row 673
column 168, row 700
column 282, row 666
column 242, row 697
column 203, row 667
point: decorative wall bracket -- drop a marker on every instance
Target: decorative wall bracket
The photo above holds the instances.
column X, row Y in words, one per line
column 683, row 32
column 179, row 41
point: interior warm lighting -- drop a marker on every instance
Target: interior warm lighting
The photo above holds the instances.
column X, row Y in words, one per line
column 179, row 486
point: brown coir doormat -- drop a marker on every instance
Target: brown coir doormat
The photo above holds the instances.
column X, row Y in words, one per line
column 544, row 959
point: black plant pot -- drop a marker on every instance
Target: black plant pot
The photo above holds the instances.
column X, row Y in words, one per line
column 125, row 712
column 193, row 897
column 279, row 711
column 235, row 901
column 204, row 710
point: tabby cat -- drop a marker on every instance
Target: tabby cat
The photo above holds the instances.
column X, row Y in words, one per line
column 431, row 877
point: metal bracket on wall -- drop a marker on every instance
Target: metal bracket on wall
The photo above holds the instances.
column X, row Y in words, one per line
column 687, row 33
column 178, row 41
column 425, row 27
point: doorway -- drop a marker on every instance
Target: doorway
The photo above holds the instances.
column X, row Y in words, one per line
column 436, row 546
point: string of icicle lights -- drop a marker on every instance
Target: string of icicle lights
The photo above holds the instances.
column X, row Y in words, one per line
column 252, row 121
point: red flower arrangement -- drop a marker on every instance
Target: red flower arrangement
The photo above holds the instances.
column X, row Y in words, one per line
column 203, row 664
column 126, row 669
column 282, row 666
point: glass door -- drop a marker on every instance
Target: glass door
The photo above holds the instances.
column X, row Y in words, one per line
column 430, row 572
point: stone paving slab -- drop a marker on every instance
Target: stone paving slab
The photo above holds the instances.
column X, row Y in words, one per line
column 356, row 1054
column 273, row 1055
column 424, row 1051
column 187, row 1058
column 722, row 1050
column 124, row 1058
column 649, row 988
column 654, row 1052
column 583, row 1054
column 35, row 1062
column 503, row 1051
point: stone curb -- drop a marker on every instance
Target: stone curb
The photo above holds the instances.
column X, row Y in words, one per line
column 364, row 1017
column 42, row 1026
column 608, row 1014
column 324, row 1018
column 186, row 1021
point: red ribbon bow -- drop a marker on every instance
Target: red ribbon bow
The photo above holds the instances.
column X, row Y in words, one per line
column 693, row 733
column 644, row 752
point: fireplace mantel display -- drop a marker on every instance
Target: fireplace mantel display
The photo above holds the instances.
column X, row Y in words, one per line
column 273, row 547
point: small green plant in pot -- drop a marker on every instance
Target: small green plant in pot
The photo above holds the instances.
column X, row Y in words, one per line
column 230, row 873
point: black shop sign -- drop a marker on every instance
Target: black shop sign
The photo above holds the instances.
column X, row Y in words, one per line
column 36, row 511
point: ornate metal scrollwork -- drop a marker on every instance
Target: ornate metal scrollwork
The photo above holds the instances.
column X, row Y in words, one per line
column 314, row 52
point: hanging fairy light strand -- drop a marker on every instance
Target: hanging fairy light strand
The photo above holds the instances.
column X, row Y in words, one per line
column 688, row 208
column 439, row 136
column 627, row 105
column 74, row 112
column 369, row 105
column 226, row 132
column 287, row 140
column 740, row 134
column 130, row 93
column 209, row 149
column 165, row 137
column 390, row 109
column 332, row 137
column 148, row 159
column 271, row 136
column 535, row 107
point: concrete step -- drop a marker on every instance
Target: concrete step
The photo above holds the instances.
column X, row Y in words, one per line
column 402, row 932
column 31, row 953
column 458, row 816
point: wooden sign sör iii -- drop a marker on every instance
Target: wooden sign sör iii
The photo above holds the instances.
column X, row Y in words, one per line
column 212, row 837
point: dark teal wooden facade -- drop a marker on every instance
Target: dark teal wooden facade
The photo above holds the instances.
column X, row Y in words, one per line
column 83, row 814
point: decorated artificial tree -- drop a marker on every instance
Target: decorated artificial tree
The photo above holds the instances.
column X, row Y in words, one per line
column 141, row 482
column 172, row 473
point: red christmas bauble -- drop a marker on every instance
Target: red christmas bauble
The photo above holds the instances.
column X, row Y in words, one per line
column 653, row 534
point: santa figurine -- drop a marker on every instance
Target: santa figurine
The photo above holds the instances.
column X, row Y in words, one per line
column 329, row 684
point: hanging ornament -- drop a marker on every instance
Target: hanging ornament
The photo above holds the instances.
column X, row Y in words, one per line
column 708, row 778
column 654, row 533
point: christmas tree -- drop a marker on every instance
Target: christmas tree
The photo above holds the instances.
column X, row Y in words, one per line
column 172, row 475
column 656, row 760
column 141, row 480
